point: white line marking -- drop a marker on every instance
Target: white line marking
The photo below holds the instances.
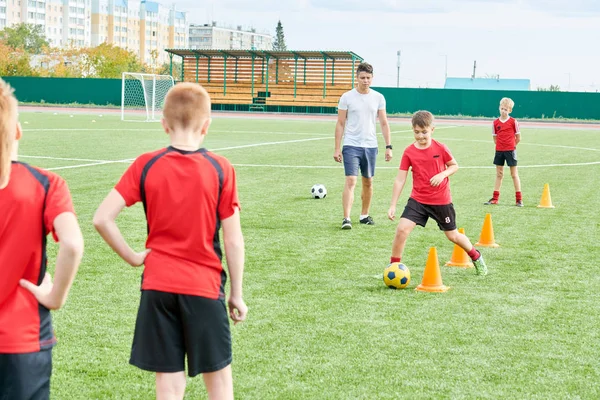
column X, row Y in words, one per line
column 395, row 168
column 268, row 143
column 87, row 165
column 64, row 159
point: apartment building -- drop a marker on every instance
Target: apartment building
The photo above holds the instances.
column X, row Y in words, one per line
column 211, row 36
column 144, row 27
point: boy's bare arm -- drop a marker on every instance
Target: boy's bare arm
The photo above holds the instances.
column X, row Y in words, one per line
column 104, row 222
column 233, row 240
column 517, row 138
column 451, row 168
column 70, row 250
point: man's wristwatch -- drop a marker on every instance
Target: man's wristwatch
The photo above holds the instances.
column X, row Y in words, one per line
column 389, row 146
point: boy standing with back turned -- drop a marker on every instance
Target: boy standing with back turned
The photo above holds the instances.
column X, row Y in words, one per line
column 506, row 137
column 431, row 163
column 188, row 193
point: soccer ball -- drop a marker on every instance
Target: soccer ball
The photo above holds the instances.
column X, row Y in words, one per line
column 318, row 191
column 396, row 276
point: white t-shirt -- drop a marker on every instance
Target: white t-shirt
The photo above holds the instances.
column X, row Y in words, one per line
column 362, row 117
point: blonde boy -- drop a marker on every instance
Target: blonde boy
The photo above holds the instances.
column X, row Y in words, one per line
column 506, row 137
column 188, row 194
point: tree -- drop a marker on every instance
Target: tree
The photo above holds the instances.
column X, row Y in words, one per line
column 14, row 62
column 28, row 37
column 279, row 43
column 108, row 61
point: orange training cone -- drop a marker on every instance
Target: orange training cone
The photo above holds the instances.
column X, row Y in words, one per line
column 486, row 239
column 459, row 257
column 432, row 278
column 546, row 201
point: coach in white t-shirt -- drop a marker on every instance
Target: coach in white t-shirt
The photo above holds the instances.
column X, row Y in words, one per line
column 358, row 112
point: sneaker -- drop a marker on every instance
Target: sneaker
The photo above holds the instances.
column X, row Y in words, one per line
column 346, row 224
column 480, row 267
column 519, row 203
column 491, row 201
column 367, row 220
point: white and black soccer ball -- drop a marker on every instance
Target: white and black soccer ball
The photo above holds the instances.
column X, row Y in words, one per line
column 318, row 191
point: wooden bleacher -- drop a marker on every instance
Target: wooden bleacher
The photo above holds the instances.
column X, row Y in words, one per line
column 262, row 79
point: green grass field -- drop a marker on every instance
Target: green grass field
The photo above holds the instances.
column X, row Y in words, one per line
column 321, row 324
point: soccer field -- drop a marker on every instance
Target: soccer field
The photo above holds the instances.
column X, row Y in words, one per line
column 321, row 324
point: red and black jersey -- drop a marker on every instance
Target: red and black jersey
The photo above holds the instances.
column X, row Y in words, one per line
column 186, row 195
column 425, row 163
column 28, row 207
column 505, row 133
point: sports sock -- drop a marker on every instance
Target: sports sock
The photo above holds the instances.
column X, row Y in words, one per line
column 519, row 196
column 363, row 216
column 394, row 259
column 474, row 254
column 496, row 195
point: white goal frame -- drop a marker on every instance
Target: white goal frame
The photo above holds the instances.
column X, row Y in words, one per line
column 143, row 95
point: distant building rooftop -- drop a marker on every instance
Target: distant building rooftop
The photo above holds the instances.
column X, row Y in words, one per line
column 487, row 84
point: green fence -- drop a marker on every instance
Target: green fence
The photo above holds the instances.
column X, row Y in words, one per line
column 484, row 103
column 67, row 90
column 474, row 103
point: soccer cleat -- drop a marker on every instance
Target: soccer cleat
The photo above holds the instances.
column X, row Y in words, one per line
column 346, row 224
column 367, row 220
column 519, row 203
column 480, row 267
column 491, row 201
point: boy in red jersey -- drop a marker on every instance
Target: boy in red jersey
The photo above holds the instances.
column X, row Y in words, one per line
column 506, row 137
column 188, row 194
column 33, row 203
column 431, row 163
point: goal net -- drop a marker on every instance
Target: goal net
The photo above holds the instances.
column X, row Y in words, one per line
column 143, row 96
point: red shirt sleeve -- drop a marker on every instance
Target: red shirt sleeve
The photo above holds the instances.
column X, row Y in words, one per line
column 405, row 162
column 229, row 196
column 58, row 201
column 129, row 184
column 446, row 154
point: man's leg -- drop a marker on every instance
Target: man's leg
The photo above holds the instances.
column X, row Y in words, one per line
column 367, row 195
column 219, row 384
column 348, row 195
column 170, row 385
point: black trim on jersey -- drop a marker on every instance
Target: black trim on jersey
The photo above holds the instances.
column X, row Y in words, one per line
column 216, row 240
column 143, row 181
column 46, row 332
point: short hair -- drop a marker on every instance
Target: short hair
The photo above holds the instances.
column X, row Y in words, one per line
column 364, row 67
column 422, row 119
column 187, row 106
column 8, row 123
column 507, row 102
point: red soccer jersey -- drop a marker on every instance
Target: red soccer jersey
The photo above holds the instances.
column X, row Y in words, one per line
column 28, row 207
column 185, row 194
column 505, row 133
column 425, row 163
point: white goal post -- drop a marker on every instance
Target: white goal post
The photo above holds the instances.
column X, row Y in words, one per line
column 143, row 96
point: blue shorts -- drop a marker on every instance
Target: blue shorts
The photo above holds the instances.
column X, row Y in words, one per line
column 359, row 157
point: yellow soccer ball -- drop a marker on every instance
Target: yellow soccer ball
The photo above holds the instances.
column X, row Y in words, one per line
column 396, row 276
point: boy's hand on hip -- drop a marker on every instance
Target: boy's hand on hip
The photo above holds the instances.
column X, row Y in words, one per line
column 237, row 309
column 139, row 258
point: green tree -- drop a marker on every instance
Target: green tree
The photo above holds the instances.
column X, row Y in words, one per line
column 108, row 61
column 14, row 62
column 28, row 37
column 279, row 43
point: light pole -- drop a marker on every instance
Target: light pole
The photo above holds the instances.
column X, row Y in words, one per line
column 446, row 66
column 398, row 74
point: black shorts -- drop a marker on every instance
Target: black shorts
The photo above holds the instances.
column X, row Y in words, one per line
column 444, row 215
column 25, row 375
column 170, row 326
column 509, row 156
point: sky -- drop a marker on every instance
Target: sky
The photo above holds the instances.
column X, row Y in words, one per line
column 550, row 42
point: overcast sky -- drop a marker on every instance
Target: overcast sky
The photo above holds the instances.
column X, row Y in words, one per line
column 549, row 42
